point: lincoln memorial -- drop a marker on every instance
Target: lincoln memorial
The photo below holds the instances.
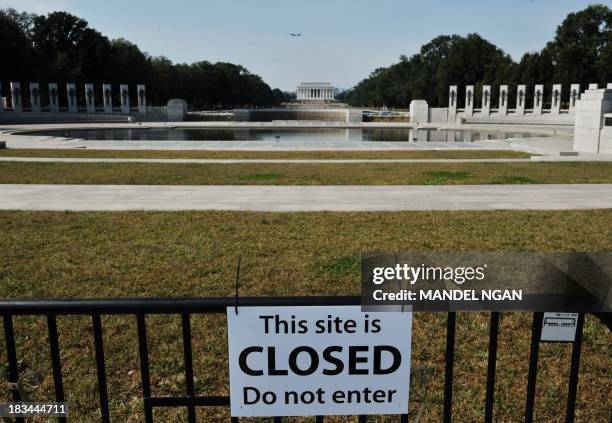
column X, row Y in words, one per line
column 315, row 91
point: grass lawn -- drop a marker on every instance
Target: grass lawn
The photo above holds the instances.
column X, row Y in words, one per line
column 220, row 154
column 103, row 254
column 305, row 174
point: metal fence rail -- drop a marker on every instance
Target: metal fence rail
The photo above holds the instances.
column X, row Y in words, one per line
column 185, row 307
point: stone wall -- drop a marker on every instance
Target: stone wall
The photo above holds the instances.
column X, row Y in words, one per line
column 591, row 135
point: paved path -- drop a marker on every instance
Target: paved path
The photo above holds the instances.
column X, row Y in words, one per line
column 304, row 198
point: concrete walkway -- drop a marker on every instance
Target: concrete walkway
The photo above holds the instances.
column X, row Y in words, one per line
column 305, row 198
column 601, row 157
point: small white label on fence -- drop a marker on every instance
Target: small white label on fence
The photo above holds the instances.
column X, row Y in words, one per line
column 559, row 327
column 305, row 361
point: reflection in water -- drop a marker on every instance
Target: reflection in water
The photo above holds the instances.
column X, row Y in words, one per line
column 293, row 134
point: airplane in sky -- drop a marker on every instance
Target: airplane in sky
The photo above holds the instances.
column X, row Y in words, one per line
column 299, row 34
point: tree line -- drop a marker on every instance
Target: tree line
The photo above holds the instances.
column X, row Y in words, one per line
column 581, row 52
column 60, row 47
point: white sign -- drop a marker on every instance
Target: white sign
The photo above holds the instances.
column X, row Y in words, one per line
column 304, row 361
column 559, row 327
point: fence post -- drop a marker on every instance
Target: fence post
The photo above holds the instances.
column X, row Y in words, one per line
column 574, row 371
column 449, row 364
column 536, row 334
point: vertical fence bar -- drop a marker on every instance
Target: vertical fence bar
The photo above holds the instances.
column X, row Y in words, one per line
column 144, row 366
column 100, row 367
column 11, row 353
column 55, row 360
column 491, row 366
column 536, row 334
column 449, row 364
column 188, row 359
column 574, row 371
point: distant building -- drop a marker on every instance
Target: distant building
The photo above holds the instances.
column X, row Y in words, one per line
column 318, row 91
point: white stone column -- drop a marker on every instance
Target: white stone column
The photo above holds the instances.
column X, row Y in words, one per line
column 16, row 97
column 124, row 98
column 486, row 100
column 71, row 93
column 452, row 101
column 419, row 111
column 141, row 91
column 35, row 96
column 574, row 96
column 593, row 86
column 538, row 99
column 521, row 99
column 590, row 134
column 555, row 99
column 107, row 98
column 503, row 100
column 469, row 100
column 53, row 98
column 90, row 98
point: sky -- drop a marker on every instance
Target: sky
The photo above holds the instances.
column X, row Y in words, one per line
column 342, row 41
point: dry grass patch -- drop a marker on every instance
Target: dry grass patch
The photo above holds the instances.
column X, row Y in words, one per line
column 104, row 254
column 305, row 174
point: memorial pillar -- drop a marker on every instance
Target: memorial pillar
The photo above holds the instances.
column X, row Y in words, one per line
column 574, row 96
column 107, row 98
column 469, row 100
column 452, row 102
column 486, row 100
column 555, row 101
column 538, row 99
column 35, row 97
column 16, row 97
column 142, row 98
column 72, row 98
column 521, row 93
column 503, row 100
column 53, row 98
column 90, row 98
column 124, row 98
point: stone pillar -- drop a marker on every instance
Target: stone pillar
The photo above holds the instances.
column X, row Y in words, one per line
column 486, row 100
column 177, row 110
column 593, row 86
column 590, row 135
column 142, row 98
column 503, row 100
column 538, row 99
column 53, row 98
column 574, row 96
column 16, row 97
column 124, row 98
column 555, row 101
column 521, row 99
column 107, row 98
column 419, row 111
column 90, row 98
column 469, row 100
column 72, row 98
column 35, row 96
column 452, row 102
